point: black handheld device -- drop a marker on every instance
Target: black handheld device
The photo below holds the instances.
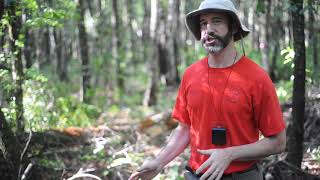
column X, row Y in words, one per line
column 219, row 136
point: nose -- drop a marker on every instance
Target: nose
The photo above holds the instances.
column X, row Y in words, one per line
column 211, row 28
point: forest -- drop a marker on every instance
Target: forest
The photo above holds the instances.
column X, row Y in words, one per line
column 87, row 87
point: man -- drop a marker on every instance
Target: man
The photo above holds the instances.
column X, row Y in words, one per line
column 223, row 102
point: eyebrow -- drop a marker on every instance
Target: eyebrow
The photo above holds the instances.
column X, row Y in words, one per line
column 213, row 18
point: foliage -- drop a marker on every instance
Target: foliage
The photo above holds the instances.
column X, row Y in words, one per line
column 284, row 91
column 288, row 54
column 71, row 112
column 50, row 163
column 43, row 108
column 40, row 15
column 315, row 153
column 38, row 100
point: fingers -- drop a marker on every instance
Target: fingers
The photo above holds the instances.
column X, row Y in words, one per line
column 144, row 167
column 205, row 152
column 207, row 173
column 214, row 174
column 140, row 173
column 203, row 166
column 134, row 176
column 219, row 175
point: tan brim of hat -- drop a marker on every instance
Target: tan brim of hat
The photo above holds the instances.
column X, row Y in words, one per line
column 193, row 23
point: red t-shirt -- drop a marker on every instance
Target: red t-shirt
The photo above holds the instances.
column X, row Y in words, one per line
column 249, row 105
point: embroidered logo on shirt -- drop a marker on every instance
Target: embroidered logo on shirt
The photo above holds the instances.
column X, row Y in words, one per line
column 233, row 94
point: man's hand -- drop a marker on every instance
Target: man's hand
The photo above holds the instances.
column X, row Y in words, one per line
column 147, row 171
column 217, row 163
column 177, row 142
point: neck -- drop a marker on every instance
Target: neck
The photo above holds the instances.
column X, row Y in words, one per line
column 226, row 57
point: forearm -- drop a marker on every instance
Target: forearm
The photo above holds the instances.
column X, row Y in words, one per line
column 260, row 149
column 178, row 141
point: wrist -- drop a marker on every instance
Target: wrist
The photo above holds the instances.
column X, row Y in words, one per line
column 232, row 153
column 160, row 163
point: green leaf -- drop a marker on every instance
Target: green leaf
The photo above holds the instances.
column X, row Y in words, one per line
column 19, row 43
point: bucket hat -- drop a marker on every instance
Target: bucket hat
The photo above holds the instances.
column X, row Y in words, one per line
column 227, row 6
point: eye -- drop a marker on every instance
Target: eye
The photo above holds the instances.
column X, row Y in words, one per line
column 216, row 21
column 203, row 24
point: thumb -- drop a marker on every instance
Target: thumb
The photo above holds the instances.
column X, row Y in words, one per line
column 145, row 167
column 206, row 152
column 142, row 169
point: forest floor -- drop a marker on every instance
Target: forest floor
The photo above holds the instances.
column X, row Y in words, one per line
column 115, row 149
column 120, row 142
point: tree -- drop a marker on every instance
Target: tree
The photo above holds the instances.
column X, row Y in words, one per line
column 313, row 38
column 150, row 95
column 10, row 150
column 84, row 53
column 277, row 32
column 295, row 128
column 17, row 65
column 28, row 51
column 1, row 9
column 44, row 47
column 265, row 35
column 172, row 42
column 116, row 45
column 63, row 53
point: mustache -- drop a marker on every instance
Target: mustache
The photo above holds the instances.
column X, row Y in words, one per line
column 211, row 35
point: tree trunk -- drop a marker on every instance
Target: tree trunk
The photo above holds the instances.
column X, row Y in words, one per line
column 172, row 30
column 17, row 67
column 295, row 128
column 274, row 62
column 29, row 48
column 313, row 40
column 150, row 96
column 129, row 46
column 245, row 10
column 63, row 53
column 255, row 41
column 43, row 49
column 116, row 45
column 84, row 54
column 10, row 151
column 162, row 41
column 146, row 30
column 1, row 9
column 47, row 46
column 277, row 32
column 265, row 40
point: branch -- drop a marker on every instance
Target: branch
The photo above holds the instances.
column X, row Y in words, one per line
column 3, row 147
column 82, row 173
column 22, row 155
column 25, row 173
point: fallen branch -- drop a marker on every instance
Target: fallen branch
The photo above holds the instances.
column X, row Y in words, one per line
column 81, row 174
column 27, row 170
column 23, row 153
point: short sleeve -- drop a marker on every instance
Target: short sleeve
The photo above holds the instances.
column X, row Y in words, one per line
column 180, row 111
column 267, row 111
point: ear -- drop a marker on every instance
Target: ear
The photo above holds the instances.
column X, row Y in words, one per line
column 235, row 28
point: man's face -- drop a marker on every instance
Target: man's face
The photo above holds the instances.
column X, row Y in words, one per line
column 215, row 32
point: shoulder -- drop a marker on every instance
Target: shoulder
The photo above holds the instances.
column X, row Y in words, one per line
column 252, row 71
column 196, row 68
column 257, row 79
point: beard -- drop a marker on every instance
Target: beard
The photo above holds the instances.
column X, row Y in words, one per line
column 214, row 44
